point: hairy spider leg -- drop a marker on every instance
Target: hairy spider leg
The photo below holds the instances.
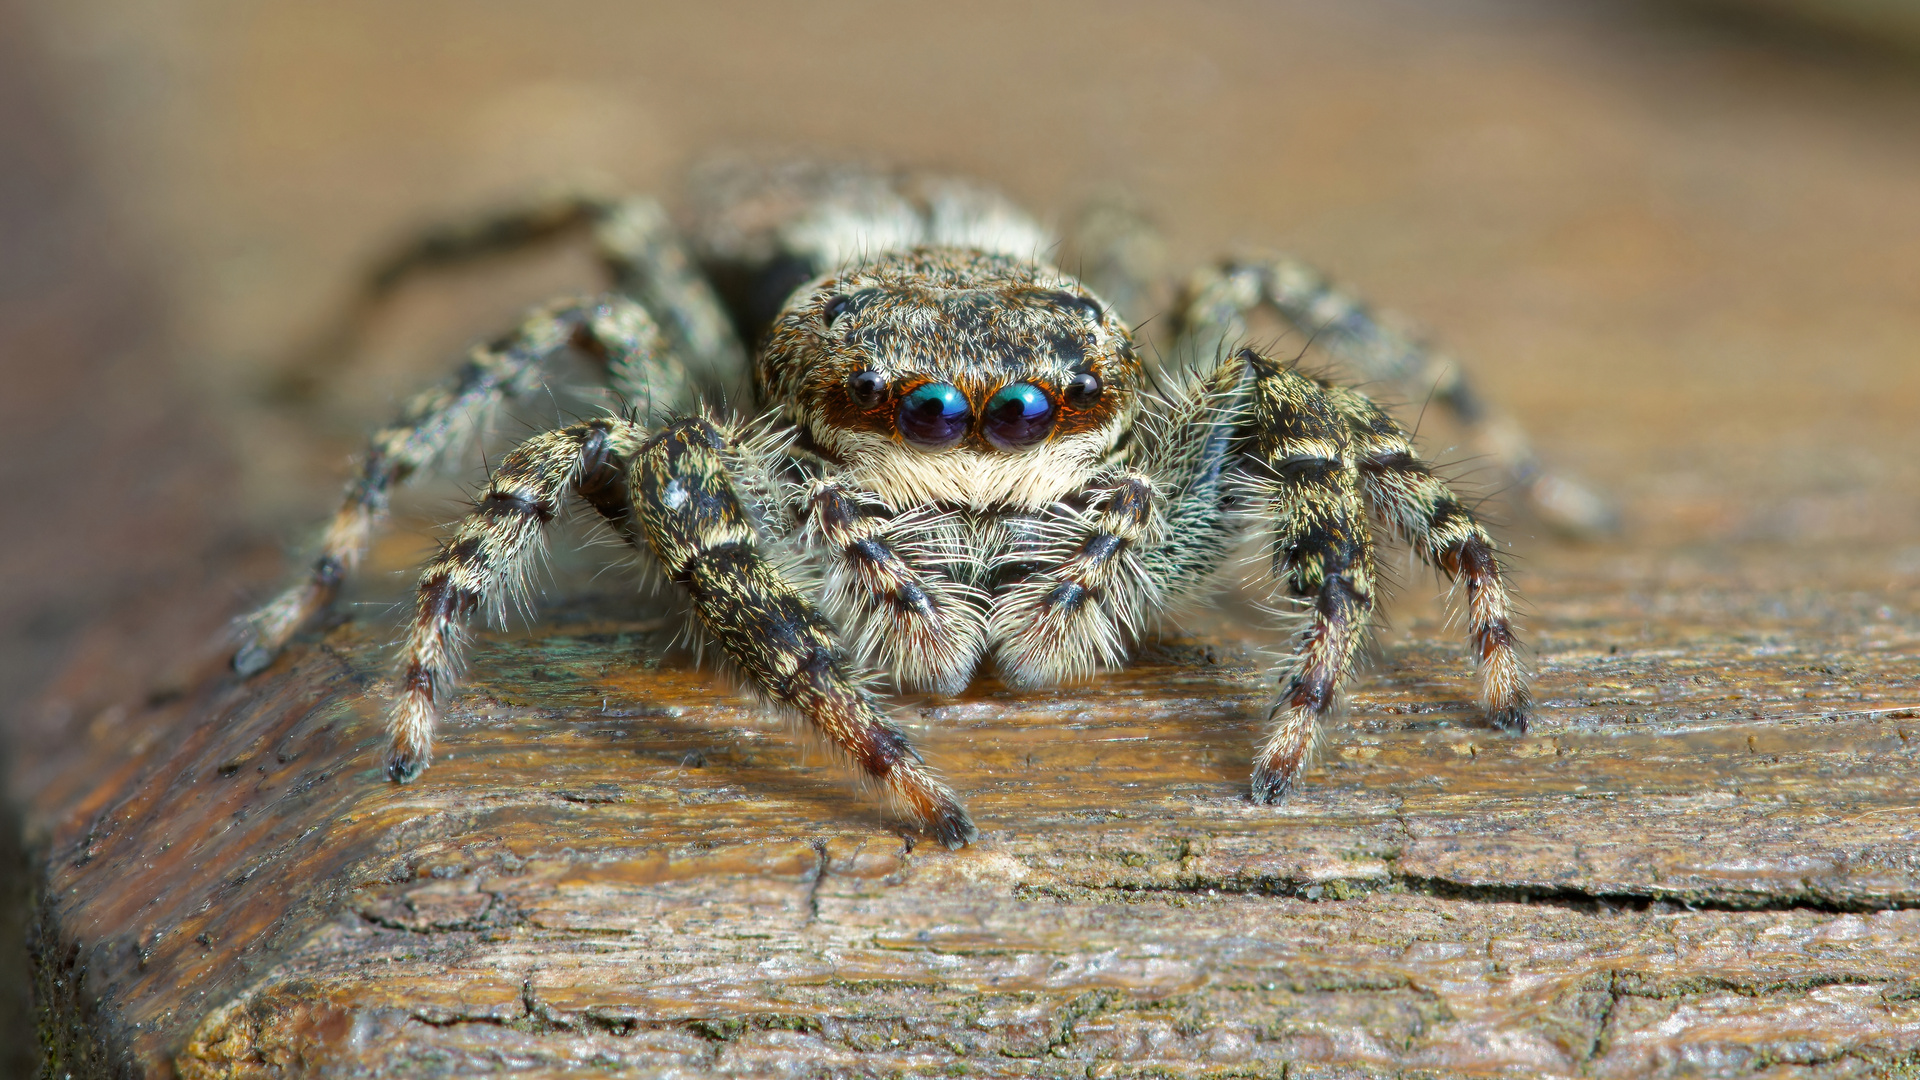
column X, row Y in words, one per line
column 761, row 230
column 483, row 565
column 1186, row 444
column 1150, row 539
column 899, row 586
column 1089, row 593
column 643, row 258
column 700, row 533
column 1115, row 250
column 1421, row 508
column 646, row 260
column 611, row 328
column 1308, row 483
column 1214, row 314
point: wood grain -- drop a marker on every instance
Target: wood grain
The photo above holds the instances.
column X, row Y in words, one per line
column 1701, row 856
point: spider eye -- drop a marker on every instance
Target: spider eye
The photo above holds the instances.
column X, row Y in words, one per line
column 1018, row 416
column 835, row 307
column 1087, row 306
column 867, row 388
column 1083, row 389
column 934, row 416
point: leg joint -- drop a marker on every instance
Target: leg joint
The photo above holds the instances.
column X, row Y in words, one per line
column 602, row 478
column 1471, row 558
column 1395, row 461
column 1066, row 596
column 835, row 509
column 707, row 566
column 1101, row 547
column 1132, row 499
column 685, row 432
column 328, row 571
column 502, row 504
column 441, row 599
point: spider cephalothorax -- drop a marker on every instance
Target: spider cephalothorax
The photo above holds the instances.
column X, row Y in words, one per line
column 940, row 376
column 958, row 440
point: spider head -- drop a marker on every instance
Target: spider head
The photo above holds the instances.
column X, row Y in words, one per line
column 946, row 375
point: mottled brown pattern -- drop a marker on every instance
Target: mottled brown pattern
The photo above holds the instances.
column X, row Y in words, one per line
column 1701, row 849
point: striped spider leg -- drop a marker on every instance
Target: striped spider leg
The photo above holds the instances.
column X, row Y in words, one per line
column 614, row 330
column 675, row 493
column 1322, row 455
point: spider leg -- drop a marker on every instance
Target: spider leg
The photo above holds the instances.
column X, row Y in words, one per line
column 647, row 261
column 440, row 246
column 1116, row 251
column 483, row 564
column 643, row 257
column 1419, row 506
column 1088, row 592
column 1308, row 478
column 612, row 328
column 688, row 510
column 761, row 230
column 891, row 583
column 1214, row 316
column 1135, row 545
column 1185, row 443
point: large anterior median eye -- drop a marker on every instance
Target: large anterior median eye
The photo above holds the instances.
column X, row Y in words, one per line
column 934, row 415
column 1018, row 416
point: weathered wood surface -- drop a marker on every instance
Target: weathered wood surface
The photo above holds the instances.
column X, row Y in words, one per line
column 1701, row 860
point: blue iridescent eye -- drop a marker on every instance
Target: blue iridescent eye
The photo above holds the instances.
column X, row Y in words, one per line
column 1018, row 416
column 934, row 415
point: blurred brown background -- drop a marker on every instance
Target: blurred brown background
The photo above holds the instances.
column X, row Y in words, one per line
column 1678, row 243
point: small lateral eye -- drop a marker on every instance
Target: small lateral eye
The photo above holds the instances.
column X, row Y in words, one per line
column 1087, row 306
column 867, row 388
column 835, row 307
column 1082, row 389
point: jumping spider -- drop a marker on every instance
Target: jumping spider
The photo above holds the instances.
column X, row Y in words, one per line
column 953, row 451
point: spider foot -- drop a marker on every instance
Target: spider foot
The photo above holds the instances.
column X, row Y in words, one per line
column 1272, row 784
column 252, row 658
column 410, row 730
column 1512, row 719
column 930, row 804
column 954, row 827
column 403, row 767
